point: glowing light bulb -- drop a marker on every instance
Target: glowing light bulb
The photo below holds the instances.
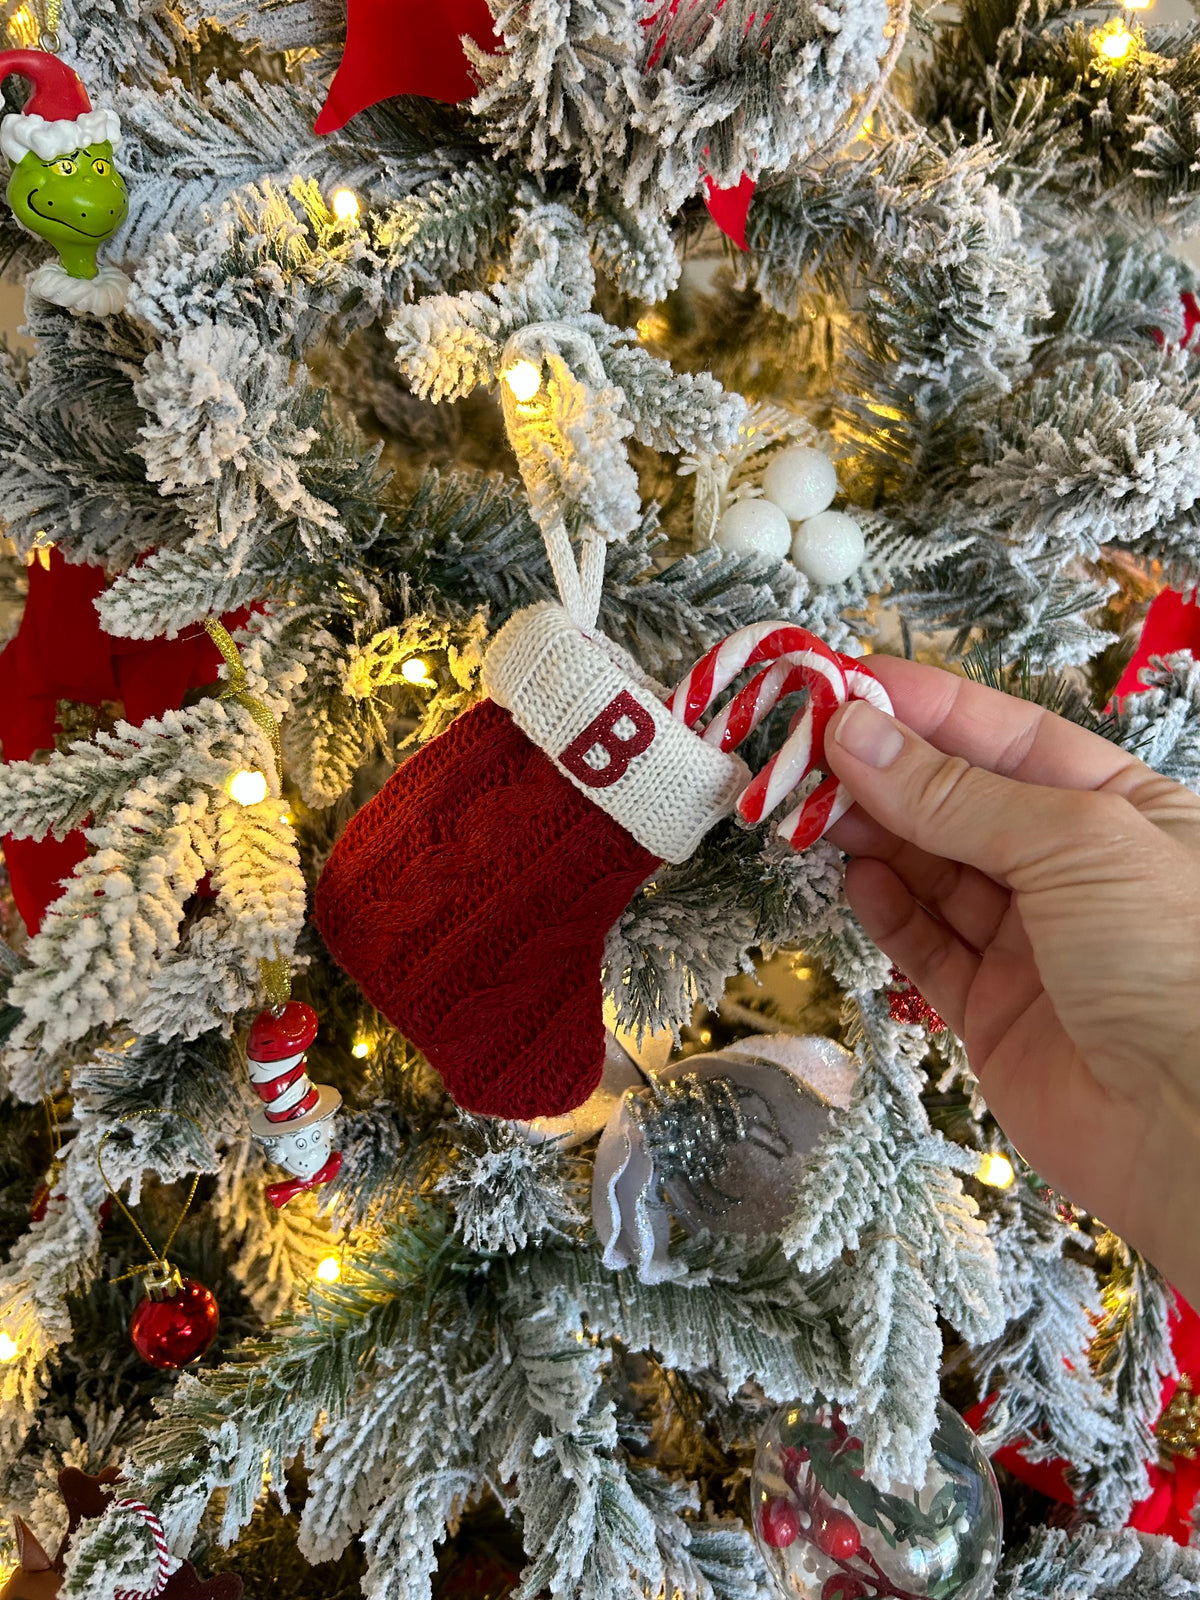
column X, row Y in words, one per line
column 9, row 1349
column 23, row 27
column 329, row 1269
column 524, row 379
column 1137, row 5
column 652, row 326
column 1117, row 44
column 415, row 670
column 361, row 1048
column 345, row 207
column 248, row 788
column 996, row 1170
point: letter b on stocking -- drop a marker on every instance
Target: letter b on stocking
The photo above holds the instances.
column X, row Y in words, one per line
column 604, row 734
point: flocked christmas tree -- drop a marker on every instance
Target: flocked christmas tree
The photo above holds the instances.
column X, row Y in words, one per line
column 369, row 395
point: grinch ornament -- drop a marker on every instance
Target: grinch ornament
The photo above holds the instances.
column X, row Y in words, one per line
column 717, row 1142
column 64, row 186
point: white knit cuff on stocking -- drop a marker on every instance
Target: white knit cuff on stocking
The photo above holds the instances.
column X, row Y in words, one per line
column 609, row 733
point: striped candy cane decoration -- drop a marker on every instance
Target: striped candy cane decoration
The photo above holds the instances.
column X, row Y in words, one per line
column 160, row 1546
column 798, row 660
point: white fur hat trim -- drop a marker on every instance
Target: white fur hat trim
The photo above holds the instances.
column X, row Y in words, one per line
column 20, row 134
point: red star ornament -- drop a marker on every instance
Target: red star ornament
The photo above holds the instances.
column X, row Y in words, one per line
column 405, row 47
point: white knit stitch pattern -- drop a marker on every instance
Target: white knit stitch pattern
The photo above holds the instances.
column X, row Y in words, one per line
column 556, row 682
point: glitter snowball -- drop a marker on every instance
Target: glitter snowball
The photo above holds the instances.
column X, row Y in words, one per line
column 801, row 482
column 828, row 547
column 827, row 1534
column 754, row 528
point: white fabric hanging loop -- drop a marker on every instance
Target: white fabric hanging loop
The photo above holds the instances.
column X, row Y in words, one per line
column 579, row 584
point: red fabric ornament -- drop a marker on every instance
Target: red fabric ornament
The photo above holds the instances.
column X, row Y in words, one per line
column 1169, row 1506
column 470, row 901
column 178, row 1329
column 405, row 47
column 730, row 208
column 60, row 652
column 906, row 1003
column 1172, row 623
column 39, row 1578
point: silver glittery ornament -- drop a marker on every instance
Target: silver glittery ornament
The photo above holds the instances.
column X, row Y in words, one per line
column 719, row 1141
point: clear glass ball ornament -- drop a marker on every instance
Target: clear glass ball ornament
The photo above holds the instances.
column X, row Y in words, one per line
column 827, row 1534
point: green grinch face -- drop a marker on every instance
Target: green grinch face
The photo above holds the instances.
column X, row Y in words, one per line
column 75, row 201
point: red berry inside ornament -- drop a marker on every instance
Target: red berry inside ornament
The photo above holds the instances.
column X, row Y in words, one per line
column 177, row 1327
column 778, row 1522
column 842, row 1586
column 837, row 1535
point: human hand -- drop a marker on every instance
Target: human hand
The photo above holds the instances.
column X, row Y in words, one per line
column 1041, row 888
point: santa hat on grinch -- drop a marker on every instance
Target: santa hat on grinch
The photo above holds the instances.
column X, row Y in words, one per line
column 58, row 117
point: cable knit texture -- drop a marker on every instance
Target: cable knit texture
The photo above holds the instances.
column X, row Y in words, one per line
column 470, row 902
column 602, row 723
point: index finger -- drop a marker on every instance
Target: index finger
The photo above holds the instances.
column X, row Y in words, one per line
column 1005, row 735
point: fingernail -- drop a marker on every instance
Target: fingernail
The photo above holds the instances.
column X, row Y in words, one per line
column 868, row 734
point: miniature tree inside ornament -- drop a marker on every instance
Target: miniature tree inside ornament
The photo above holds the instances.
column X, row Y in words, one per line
column 826, row 1533
column 64, row 186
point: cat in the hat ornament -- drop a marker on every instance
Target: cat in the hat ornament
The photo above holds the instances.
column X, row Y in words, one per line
column 64, row 186
column 295, row 1125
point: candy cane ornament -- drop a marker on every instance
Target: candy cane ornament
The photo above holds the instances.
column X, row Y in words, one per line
column 163, row 1555
column 798, row 660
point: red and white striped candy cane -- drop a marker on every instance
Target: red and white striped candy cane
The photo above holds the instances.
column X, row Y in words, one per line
column 718, row 667
column 799, row 660
column 161, row 1551
column 831, row 799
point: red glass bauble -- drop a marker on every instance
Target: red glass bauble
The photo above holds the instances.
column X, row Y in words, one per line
column 778, row 1522
column 178, row 1329
column 837, row 1535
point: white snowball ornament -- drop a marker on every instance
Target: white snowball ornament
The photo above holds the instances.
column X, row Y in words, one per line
column 800, row 482
column 754, row 528
column 829, row 547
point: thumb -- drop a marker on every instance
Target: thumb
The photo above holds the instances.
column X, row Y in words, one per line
column 949, row 808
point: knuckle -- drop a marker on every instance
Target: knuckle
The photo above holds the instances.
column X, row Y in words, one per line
column 941, row 790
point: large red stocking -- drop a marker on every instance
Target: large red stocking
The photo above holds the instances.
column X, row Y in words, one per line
column 470, row 900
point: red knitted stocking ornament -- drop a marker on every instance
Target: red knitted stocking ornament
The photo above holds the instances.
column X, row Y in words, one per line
column 471, row 898
column 470, row 901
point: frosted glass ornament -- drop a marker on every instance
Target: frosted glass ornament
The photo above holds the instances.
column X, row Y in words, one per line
column 754, row 528
column 800, row 482
column 827, row 1534
column 829, row 547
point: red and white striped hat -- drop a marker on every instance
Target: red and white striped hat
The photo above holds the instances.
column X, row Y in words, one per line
column 275, row 1055
column 58, row 117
